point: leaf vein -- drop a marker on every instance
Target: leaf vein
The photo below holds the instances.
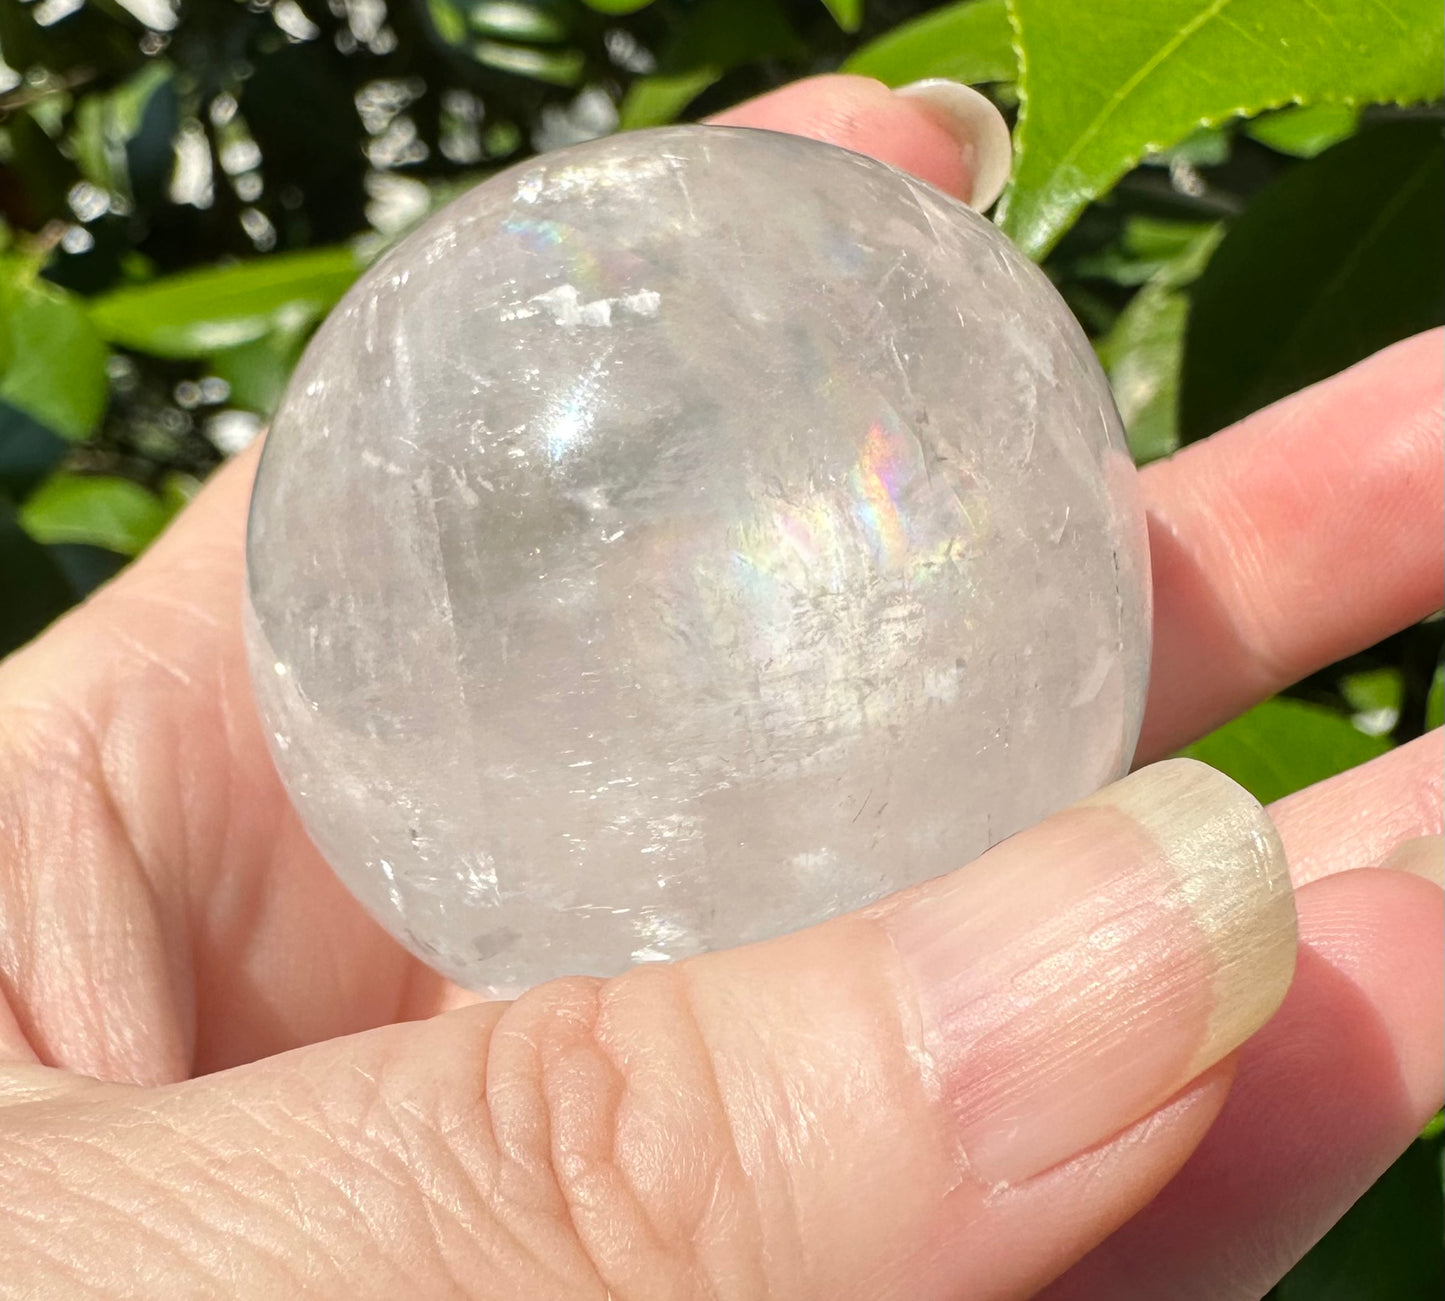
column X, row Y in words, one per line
column 1142, row 74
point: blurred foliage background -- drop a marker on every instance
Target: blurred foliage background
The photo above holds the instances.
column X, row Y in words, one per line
column 1233, row 210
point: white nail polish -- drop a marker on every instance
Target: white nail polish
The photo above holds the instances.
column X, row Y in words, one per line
column 1083, row 972
column 1233, row 875
column 978, row 126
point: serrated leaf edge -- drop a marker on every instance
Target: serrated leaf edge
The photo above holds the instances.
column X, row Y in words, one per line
column 1090, row 193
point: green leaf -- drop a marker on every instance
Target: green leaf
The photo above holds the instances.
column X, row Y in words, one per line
column 516, row 20
column 1305, row 132
column 1435, row 701
column 98, row 511
column 1185, row 245
column 511, row 21
column 1144, row 349
column 970, row 42
column 1375, row 697
column 617, row 6
column 1339, row 258
column 448, row 19
column 1141, row 355
column 106, row 124
column 1207, row 147
column 33, row 588
column 1284, row 745
column 52, row 361
column 1101, row 89
column 1154, row 248
column 197, row 313
column 556, row 67
column 1388, row 1246
column 655, row 101
column 848, row 14
column 257, row 372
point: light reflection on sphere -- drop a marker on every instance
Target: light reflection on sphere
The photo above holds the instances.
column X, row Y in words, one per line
column 682, row 538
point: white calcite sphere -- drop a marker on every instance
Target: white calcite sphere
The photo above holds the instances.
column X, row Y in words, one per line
column 682, row 538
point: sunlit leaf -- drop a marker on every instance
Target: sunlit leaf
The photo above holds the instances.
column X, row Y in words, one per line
column 1304, row 132
column 517, row 20
column 1141, row 356
column 1376, row 697
column 617, row 6
column 448, row 19
column 257, row 371
column 198, row 313
column 52, row 361
column 848, row 14
column 1144, row 350
column 970, row 42
column 654, row 101
column 105, row 125
column 1283, row 745
column 1103, row 87
column 558, row 67
column 99, row 511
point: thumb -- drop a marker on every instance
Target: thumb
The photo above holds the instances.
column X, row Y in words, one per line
column 955, row 1093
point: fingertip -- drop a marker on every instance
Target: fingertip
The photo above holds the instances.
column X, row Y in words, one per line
column 1355, row 1053
column 1168, row 890
column 907, row 131
column 975, row 122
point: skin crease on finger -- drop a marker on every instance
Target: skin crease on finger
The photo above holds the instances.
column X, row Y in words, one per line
column 652, row 1135
column 306, row 1165
column 304, row 1174
column 141, row 794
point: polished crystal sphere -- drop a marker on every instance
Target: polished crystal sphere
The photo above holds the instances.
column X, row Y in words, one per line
column 682, row 538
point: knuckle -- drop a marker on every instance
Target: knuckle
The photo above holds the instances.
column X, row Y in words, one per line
column 610, row 1128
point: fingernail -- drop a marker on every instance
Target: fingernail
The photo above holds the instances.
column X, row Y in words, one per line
column 977, row 125
column 1424, row 856
column 1077, row 976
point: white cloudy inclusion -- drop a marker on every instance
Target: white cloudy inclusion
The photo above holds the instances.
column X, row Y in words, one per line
column 682, row 538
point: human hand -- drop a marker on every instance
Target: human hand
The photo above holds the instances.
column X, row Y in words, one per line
column 758, row 1121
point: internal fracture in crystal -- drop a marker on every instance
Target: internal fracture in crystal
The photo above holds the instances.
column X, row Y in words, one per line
column 682, row 538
